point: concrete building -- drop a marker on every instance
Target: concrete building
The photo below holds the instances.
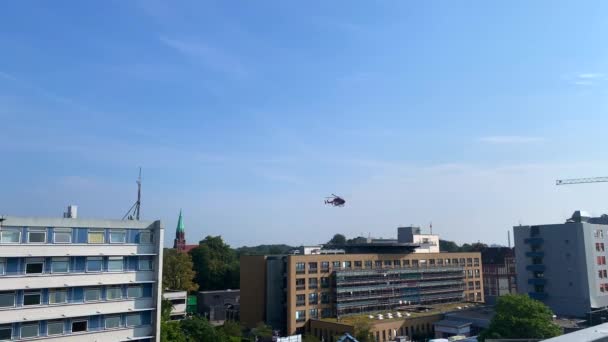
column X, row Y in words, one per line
column 72, row 279
column 499, row 276
column 289, row 291
column 178, row 300
column 428, row 243
column 220, row 305
column 564, row 265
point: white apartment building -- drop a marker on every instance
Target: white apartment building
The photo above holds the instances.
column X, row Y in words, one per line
column 71, row 279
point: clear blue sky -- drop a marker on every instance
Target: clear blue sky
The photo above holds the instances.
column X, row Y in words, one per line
column 246, row 114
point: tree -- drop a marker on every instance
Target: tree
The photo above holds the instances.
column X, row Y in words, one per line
column 448, row 246
column 171, row 332
column 310, row 338
column 519, row 316
column 232, row 328
column 338, row 239
column 262, row 330
column 178, row 273
column 478, row 247
column 165, row 310
column 363, row 331
column 199, row 329
column 359, row 239
column 216, row 265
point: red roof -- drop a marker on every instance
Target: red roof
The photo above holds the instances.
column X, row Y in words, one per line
column 187, row 248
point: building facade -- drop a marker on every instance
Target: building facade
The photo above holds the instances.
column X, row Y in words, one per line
column 564, row 265
column 288, row 291
column 219, row 305
column 178, row 301
column 69, row 279
column 499, row 276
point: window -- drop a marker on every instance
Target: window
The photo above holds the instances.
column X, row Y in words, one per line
column 325, row 298
column 599, row 273
column 300, row 267
column 326, row 313
column 477, row 285
column 605, row 274
column 448, row 261
column 2, row 266
column 300, row 315
column 378, row 263
column 62, row 235
column 6, row 332
column 113, row 292
column 325, row 266
column 455, row 261
column 58, row 296
column 92, row 294
column 313, row 298
column 325, row 282
column 397, row 263
column 312, row 283
column 314, row 313
column 368, row 264
column 336, row 264
column 300, row 300
column 471, row 285
column 388, row 263
column 146, row 236
column 476, row 262
column 312, row 267
column 440, row 262
column 36, row 235
column 134, row 319
column 94, row 264
column 135, row 291
column 112, row 322
column 79, row 325
column 300, row 284
column 431, row 261
column 7, row 299
column 406, row 262
column 96, row 236
column 115, row 264
column 145, row 264
column 415, row 263
column 469, row 273
column 461, row 261
column 10, row 236
column 34, row 265
column 358, row 264
column 31, row 297
column 29, row 330
column 347, row 264
column 118, row 236
column 469, row 261
column 477, row 273
column 54, row 328
column 60, row 264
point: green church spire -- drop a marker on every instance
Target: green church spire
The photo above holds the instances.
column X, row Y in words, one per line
column 180, row 223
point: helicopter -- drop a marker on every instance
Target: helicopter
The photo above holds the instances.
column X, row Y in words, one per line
column 334, row 200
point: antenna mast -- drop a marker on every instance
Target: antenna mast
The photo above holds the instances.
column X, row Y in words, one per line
column 137, row 205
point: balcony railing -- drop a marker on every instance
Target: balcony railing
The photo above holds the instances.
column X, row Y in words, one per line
column 539, row 268
column 537, row 281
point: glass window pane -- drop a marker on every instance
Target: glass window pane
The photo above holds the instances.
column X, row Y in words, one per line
column 115, row 264
column 96, row 237
column 34, row 267
column 2, row 266
column 32, row 298
column 79, row 326
column 37, row 236
column 145, row 264
column 112, row 322
column 58, row 296
column 62, row 235
column 118, row 236
column 114, row 292
column 10, row 236
column 6, row 333
column 7, row 299
column 92, row 294
column 54, row 328
column 29, row 330
column 60, row 265
column 135, row 291
column 94, row 264
column 145, row 237
column 134, row 319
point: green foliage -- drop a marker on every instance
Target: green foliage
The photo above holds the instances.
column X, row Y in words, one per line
column 165, row 310
column 338, row 239
column 171, row 332
column 358, row 239
column 232, row 328
column 178, row 273
column 216, row 264
column 310, row 338
column 363, row 331
column 199, row 329
column 448, row 246
column 262, row 330
column 518, row 316
column 451, row 246
column 264, row 250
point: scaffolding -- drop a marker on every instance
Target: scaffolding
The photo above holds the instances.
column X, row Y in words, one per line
column 365, row 291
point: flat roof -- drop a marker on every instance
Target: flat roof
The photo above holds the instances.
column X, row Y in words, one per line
column 16, row 221
column 452, row 323
column 595, row 333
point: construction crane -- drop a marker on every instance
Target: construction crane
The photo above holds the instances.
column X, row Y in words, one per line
column 581, row 180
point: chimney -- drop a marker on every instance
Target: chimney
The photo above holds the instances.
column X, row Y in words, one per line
column 72, row 212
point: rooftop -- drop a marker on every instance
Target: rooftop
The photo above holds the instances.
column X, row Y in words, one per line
column 432, row 310
column 72, row 222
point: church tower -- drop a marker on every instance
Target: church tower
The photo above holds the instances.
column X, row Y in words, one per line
column 180, row 234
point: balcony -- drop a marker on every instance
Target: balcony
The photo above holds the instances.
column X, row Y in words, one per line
column 53, row 280
column 74, row 249
column 535, row 254
column 45, row 312
column 534, row 241
column 539, row 268
column 538, row 295
column 537, row 281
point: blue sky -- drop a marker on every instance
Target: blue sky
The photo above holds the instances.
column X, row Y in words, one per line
column 246, row 114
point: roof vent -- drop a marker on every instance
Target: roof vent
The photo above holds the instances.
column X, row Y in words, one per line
column 72, row 212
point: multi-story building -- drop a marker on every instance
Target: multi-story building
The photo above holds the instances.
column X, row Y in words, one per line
column 289, row 291
column 72, row 279
column 178, row 301
column 499, row 277
column 564, row 265
column 427, row 243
